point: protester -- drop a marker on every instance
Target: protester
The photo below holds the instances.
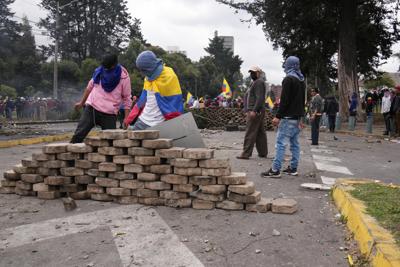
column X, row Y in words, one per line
column 385, row 110
column 288, row 117
column 109, row 87
column 331, row 109
column 255, row 110
column 395, row 110
column 161, row 97
column 353, row 111
column 369, row 113
column 316, row 108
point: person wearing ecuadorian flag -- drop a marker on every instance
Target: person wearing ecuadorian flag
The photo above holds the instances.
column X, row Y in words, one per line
column 161, row 98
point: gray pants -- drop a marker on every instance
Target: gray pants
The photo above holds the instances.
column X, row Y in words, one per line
column 139, row 125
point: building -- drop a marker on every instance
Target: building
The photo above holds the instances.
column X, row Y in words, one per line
column 228, row 41
column 175, row 49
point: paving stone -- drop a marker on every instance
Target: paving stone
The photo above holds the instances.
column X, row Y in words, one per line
column 235, row 178
column 210, row 197
column 247, row 199
column 151, row 201
column 148, row 177
column 96, row 157
column 71, row 171
column 123, row 159
column 55, row 148
column 30, row 163
column 126, row 200
column 96, row 141
column 174, row 179
column 143, row 135
column 25, row 193
column 7, row 190
column 67, row 156
column 245, row 189
column 110, row 151
column 84, row 179
column 7, row 183
column 157, row 143
column 170, row 153
column 43, row 157
column 140, row 151
column 131, row 184
column 54, row 164
column 284, row 205
column 11, row 175
column 147, row 193
column 199, row 204
column 83, row 164
column 214, row 163
column 188, row 171
column 202, row 180
column 213, row 189
column 229, row 205
column 96, row 173
column 95, row 189
column 118, row 191
column 133, row 168
column 21, row 169
column 157, row 185
column 79, row 148
column 110, row 167
column 185, row 163
column 179, row 203
column 121, row 175
column 147, row 160
column 23, row 185
column 126, row 143
column 198, row 153
column 114, row 134
column 57, row 180
column 81, row 195
column 48, row 195
column 262, row 206
column 161, row 169
column 215, row 172
column 47, row 171
column 184, row 188
column 107, row 182
column 71, row 188
column 32, row 178
column 172, row 195
column 101, row 197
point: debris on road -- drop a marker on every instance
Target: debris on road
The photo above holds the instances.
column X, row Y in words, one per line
column 314, row 186
column 276, row 232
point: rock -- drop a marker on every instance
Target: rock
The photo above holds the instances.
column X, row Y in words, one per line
column 262, row 206
column 276, row 232
column 184, row 163
column 198, row 153
column 258, row 251
column 229, row 205
column 235, row 178
column 69, row 204
column 246, row 189
column 284, row 205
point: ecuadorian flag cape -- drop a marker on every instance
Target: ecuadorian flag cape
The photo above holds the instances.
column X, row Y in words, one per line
column 168, row 95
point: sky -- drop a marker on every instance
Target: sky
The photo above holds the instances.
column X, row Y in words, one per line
column 189, row 24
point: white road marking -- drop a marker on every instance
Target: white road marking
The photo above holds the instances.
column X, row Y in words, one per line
column 326, row 158
column 326, row 151
column 328, row 180
column 144, row 239
column 332, row 168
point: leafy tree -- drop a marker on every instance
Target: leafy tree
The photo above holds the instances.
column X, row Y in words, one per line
column 7, row 91
column 87, row 68
column 382, row 80
column 68, row 72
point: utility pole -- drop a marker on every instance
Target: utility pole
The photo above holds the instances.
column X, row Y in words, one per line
column 55, row 74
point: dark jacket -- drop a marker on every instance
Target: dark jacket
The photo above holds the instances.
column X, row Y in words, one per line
column 292, row 98
column 255, row 96
column 331, row 106
column 395, row 107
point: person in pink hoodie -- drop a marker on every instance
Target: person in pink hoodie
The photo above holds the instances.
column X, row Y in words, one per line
column 109, row 87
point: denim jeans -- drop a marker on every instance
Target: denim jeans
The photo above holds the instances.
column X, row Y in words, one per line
column 139, row 125
column 288, row 132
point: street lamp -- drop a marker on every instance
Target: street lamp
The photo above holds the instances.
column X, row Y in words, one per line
column 55, row 74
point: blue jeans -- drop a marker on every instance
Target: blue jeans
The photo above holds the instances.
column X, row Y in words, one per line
column 288, row 132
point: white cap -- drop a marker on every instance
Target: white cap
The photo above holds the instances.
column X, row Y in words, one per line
column 255, row 69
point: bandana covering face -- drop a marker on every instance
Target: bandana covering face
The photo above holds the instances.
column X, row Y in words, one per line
column 109, row 79
column 149, row 65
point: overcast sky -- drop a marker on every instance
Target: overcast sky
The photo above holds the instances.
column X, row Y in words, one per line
column 189, row 24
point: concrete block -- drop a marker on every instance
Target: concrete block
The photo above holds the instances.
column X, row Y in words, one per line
column 245, row 189
column 96, row 173
column 11, row 175
column 83, row 164
column 284, row 206
column 173, row 195
column 143, row 135
column 140, row 151
column 71, row 188
column 133, row 168
column 198, row 153
column 30, row 163
column 121, row 175
column 101, row 197
column 131, row 184
column 126, row 143
column 71, row 171
column 170, row 153
column 157, row 185
column 79, row 148
column 95, row 189
column 126, row 200
column 199, row 204
column 229, row 205
column 174, row 179
column 67, row 156
column 107, row 182
column 184, row 188
column 110, row 151
column 188, row 171
column 84, row 179
column 43, row 157
column 214, row 163
column 81, row 195
column 48, row 195
column 55, row 148
column 157, row 143
column 202, row 180
column 44, row 187
column 25, row 193
column 113, row 134
column 32, row 178
column 184, row 163
column 57, row 180
column 54, row 164
column 123, row 159
column 179, row 203
column 235, row 178
column 47, row 171
column 213, row 189
column 210, row 197
column 96, row 157
column 110, row 167
column 147, row 193
column 96, row 141
column 7, row 190
column 23, row 185
column 215, row 172
column 247, row 199
column 148, row 177
column 7, row 183
column 21, row 169
column 147, row 160
column 161, row 169
column 118, row 191
column 262, row 206
column 151, row 201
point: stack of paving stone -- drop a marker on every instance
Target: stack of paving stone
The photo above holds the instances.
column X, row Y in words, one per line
column 130, row 167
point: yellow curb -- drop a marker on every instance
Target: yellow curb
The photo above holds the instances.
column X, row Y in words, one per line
column 375, row 242
column 38, row 140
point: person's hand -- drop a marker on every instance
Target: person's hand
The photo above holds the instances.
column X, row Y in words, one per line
column 78, row 105
column 301, row 125
column 276, row 121
column 252, row 114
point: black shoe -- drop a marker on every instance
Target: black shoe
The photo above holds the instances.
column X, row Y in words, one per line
column 271, row 174
column 386, row 133
column 290, row 171
column 262, row 156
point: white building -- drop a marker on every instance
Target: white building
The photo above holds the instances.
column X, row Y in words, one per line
column 229, row 42
column 175, row 49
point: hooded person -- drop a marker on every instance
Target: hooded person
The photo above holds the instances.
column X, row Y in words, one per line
column 288, row 118
column 107, row 90
column 161, row 97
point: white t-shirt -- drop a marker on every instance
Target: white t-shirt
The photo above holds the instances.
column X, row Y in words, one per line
column 151, row 114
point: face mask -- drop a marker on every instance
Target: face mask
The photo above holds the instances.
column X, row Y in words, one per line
column 253, row 75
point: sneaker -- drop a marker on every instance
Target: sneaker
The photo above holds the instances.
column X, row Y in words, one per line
column 271, row 174
column 290, row 171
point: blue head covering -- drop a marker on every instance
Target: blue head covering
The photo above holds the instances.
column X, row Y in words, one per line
column 109, row 78
column 149, row 64
column 292, row 67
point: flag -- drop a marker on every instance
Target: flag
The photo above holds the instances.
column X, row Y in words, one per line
column 268, row 100
column 189, row 98
column 226, row 89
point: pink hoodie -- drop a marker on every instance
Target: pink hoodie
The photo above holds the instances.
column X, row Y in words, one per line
column 109, row 103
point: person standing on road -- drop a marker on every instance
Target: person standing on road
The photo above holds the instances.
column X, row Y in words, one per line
column 255, row 112
column 316, row 106
column 288, row 117
column 331, row 109
column 353, row 111
column 109, row 87
column 385, row 110
column 395, row 109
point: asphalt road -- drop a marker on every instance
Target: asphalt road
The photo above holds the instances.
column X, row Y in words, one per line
column 40, row 233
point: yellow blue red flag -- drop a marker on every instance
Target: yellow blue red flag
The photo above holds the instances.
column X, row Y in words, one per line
column 226, row 89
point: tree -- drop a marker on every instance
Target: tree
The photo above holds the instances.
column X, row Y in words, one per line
column 7, row 91
column 87, row 68
column 383, row 79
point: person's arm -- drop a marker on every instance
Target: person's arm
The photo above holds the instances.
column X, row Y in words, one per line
column 86, row 94
column 127, row 96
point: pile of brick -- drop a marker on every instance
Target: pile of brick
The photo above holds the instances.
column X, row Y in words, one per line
column 131, row 167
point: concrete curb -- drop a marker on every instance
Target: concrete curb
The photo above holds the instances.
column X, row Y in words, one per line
column 375, row 242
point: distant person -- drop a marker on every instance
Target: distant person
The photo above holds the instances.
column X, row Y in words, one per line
column 385, row 110
column 109, row 87
column 353, row 111
column 255, row 111
column 316, row 108
column 288, row 117
column 331, row 109
column 161, row 97
column 395, row 109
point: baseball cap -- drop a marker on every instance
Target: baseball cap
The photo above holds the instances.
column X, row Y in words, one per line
column 255, row 69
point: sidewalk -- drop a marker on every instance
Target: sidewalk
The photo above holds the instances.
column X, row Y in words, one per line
column 360, row 130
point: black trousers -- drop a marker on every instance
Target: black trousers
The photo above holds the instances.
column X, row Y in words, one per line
column 387, row 117
column 332, row 122
column 89, row 119
column 315, row 130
